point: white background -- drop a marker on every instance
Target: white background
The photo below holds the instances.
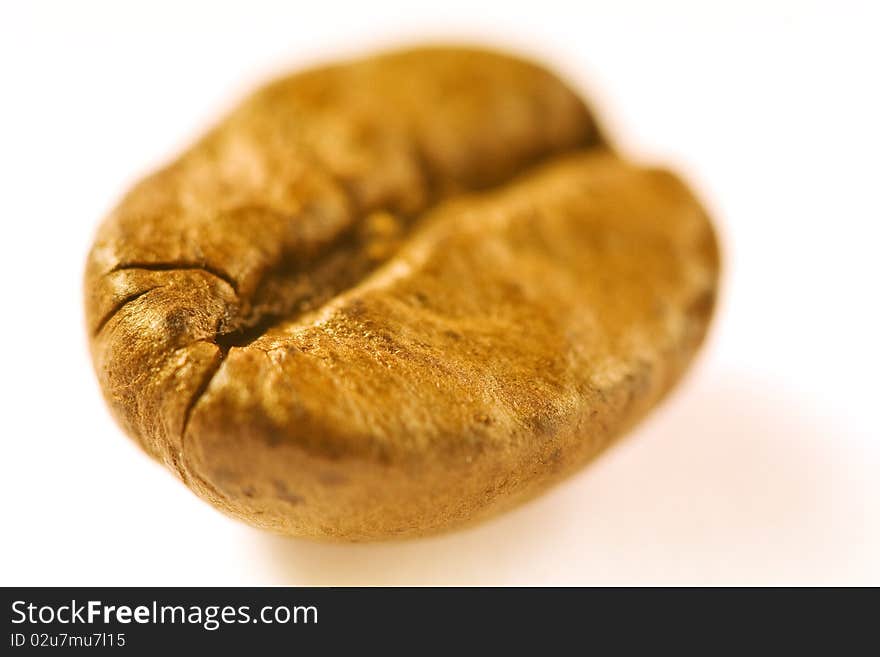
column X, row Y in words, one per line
column 761, row 469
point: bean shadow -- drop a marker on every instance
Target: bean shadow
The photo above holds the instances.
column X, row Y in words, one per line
column 730, row 482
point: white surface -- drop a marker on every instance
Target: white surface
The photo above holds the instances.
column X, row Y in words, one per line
column 761, row 469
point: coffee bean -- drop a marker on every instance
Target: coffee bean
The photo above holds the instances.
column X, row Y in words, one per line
column 387, row 297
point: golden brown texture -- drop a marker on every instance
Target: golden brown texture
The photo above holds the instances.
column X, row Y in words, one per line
column 388, row 297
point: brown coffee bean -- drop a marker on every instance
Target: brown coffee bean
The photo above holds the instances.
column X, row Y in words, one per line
column 392, row 296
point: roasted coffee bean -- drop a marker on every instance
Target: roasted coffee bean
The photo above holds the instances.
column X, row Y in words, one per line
column 388, row 297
